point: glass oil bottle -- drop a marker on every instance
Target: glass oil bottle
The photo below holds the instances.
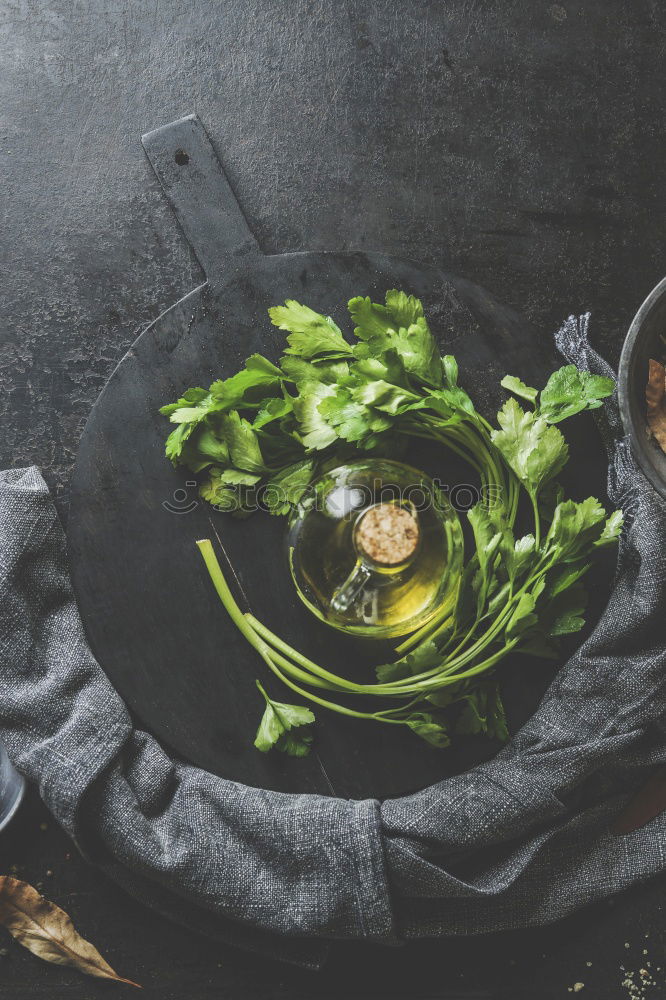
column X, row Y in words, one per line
column 375, row 549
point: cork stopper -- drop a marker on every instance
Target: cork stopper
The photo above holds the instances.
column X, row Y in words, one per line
column 387, row 534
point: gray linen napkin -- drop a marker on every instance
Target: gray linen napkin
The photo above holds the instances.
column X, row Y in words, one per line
column 520, row 840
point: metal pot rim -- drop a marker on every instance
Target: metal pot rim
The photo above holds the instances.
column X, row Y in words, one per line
column 640, row 443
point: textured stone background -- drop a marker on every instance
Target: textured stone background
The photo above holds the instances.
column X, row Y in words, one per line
column 518, row 143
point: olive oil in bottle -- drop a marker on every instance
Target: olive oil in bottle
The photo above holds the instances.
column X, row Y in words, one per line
column 375, row 549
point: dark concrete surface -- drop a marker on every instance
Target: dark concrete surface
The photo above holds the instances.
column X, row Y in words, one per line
column 517, row 143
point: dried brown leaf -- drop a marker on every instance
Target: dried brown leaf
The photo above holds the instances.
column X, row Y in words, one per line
column 656, row 387
column 47, row 931
column 655, row 398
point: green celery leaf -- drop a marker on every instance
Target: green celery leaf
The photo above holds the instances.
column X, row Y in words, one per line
column 450, row 404
column 450, row 368
column 523, row 617
column 295, row 743
column 486, row 535
column 352, row 420
column 468, row 593
column 612, row 529
column 384, row 396
column 499, row 599
column 576, row 528
column 281, row 445
column 424, row 657
column 236, row 477
column 176, row 441
column 386, row 366
column 242, row 442
column 564, row 613
column 535, row 451
column 429, row 728
column 483, row 712
column 305, row 372
column 562, row 577
column 373, row 320
column 487, row 540
column 399, row 325
column 404, row 309
column 190, row 398
column 225, row 497
column 445, row 696
column 315, row 430
column 192, row 460
column 210, row 445
column 550, row 496
column 311, row 334
column 273, row 408
column 566, row 623
column 192, row 409
column 283, row 492
column 518, row 388
column 519, row 559
column 277, row 726
column 419, row 353
column 189, row 414
column 569, row 391
column 250, row 383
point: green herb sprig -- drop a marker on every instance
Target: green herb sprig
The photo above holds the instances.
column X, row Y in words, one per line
column 262, row 435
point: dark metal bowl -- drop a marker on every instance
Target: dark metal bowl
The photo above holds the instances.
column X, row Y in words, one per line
column 643, row 342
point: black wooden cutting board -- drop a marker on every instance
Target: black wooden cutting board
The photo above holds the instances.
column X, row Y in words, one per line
column 151, row 615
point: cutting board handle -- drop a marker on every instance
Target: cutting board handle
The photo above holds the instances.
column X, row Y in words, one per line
column 187, row 167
